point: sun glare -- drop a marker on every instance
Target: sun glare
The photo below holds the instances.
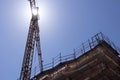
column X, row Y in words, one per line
column 35, row 11
column 41, row 10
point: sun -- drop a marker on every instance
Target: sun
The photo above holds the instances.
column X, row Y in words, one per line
column 35, row 11
column 41, row 10
column 38, row 11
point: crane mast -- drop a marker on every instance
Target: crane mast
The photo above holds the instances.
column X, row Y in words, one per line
column 33, row 41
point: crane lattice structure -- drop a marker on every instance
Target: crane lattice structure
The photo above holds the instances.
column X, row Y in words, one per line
column 33, row 41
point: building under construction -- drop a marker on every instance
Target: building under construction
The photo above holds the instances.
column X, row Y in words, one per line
column 96, row 59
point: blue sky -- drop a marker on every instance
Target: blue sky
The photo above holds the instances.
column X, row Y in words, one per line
column 64, row 25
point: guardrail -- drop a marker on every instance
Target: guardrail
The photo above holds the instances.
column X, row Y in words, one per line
column 86, row 46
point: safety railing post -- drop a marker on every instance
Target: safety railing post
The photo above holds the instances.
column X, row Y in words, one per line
column 83, row 47
column 102, row 36
column 92, row 42
column 60, row 58
column 97, row 38
column 74, row 54
column 52, row 62
column 89, row 44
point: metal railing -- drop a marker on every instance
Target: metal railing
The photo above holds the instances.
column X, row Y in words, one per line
column 85, row 47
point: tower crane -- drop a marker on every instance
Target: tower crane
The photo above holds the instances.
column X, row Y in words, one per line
column 33, row 41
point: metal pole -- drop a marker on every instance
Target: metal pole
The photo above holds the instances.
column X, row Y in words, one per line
column 83, row 47
column 74, row 54
column 53, row 63
column 89, row 44
column 60, row 58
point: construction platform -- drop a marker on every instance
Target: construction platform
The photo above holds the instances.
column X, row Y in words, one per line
column 100, row 62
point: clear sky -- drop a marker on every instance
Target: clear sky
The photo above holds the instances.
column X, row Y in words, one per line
column 64, row 25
